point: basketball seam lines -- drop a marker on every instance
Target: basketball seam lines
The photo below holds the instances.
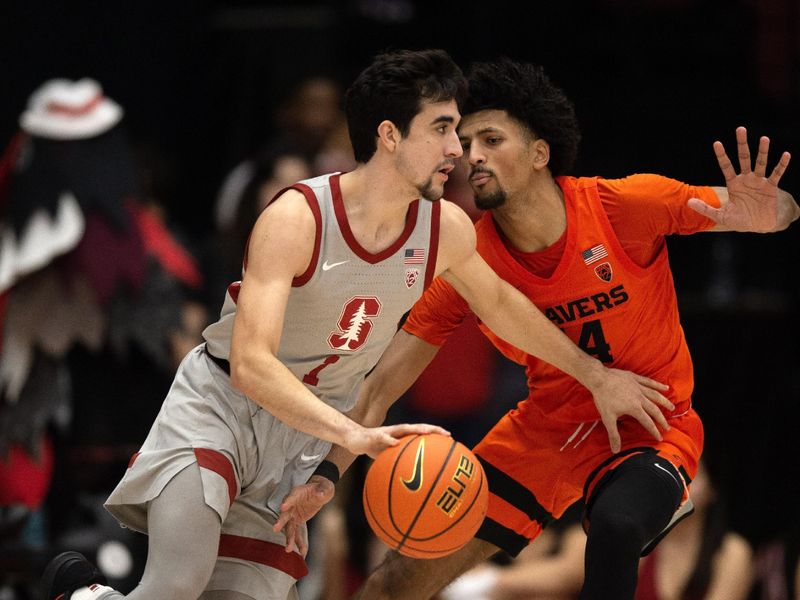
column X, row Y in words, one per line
column 427, row 497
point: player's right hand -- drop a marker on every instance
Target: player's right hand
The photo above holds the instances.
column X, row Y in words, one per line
column 373, row 440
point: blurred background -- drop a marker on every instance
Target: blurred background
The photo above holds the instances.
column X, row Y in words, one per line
column 226, row 102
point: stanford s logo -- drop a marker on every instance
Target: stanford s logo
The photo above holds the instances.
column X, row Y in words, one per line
column 415, row 482
column 604, row 272
column 354, row 326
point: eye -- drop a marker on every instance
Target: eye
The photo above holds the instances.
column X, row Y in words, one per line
column 494, row 140
column 442, row 129
column 465, row 146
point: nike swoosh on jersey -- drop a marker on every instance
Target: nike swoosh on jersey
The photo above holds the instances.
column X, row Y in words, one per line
column 305, row 456
column 328, row 267
column 415, row 482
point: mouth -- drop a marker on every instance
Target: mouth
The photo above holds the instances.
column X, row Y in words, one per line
column 479, row 177
column 444, row 171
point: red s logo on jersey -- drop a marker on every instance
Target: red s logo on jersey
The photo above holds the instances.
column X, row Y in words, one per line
column 354, row 326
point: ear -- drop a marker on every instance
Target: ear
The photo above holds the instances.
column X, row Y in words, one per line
column 541, row 153
column 388, row 135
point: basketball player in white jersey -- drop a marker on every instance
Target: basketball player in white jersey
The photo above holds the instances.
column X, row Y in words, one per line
column 332, row 265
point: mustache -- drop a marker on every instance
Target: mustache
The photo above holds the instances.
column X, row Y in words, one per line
column 477, row 170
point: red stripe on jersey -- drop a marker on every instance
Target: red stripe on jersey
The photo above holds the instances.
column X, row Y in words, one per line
column 433, row 247
column 347, row 233
column 262, row 552
column 133, row 459
column 233, row 290
column 219, row 463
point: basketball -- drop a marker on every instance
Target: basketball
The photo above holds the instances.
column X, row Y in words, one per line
column 427, row 496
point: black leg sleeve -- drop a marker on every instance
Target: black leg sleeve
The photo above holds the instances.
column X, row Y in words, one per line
column 630, row 508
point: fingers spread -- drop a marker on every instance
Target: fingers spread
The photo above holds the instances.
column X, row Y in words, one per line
column 780, row 168
column 704, row 209
column 761, row 157
column 725, row 164
column 744, row 150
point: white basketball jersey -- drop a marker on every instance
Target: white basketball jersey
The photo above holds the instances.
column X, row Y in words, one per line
column 343, row 311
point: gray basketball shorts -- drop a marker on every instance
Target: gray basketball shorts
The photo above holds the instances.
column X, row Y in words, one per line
column 248, row 461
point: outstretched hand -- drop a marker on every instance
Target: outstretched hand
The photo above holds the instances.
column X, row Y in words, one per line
column 624, row 393
column 752, row 203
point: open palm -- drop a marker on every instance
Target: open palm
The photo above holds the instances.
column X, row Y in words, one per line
column 752, row 203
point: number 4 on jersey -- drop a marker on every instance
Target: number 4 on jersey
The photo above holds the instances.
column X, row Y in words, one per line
column 592, row 341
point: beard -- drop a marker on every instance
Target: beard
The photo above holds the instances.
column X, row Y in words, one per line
column 490, row 200
column 429, row 192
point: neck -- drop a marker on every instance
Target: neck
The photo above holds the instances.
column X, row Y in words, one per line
column 376, row 202
column 534, row 218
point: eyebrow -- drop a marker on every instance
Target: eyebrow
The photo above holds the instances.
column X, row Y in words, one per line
column 443, row 119
column 481, row 132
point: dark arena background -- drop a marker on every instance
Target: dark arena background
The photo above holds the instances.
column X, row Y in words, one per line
column 654, row 83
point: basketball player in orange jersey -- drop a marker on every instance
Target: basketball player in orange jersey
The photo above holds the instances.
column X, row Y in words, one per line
column 333, row 264
column 591, row 254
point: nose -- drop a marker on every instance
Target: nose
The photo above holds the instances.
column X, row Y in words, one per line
column 476, row 155
column 453, row 148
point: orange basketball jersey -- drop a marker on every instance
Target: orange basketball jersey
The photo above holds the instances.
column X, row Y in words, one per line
column 622, row 313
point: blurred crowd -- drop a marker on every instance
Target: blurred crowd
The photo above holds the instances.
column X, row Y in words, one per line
column 101, row 295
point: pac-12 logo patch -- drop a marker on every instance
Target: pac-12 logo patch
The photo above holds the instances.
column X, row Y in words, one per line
column 411, row 277
column 604, row 272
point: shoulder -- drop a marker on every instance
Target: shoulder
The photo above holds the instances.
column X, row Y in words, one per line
column 285, row 231
column 456, row 236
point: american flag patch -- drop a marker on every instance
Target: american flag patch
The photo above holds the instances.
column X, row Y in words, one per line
column 594, row 254
column 414, row 256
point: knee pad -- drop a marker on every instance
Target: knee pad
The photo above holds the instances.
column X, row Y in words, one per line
column 637, row 499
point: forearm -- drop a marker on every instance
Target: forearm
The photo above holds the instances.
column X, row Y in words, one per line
column 519, row 322
column 270, row 384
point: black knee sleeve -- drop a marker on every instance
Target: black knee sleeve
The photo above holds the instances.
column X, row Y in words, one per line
column 629, row 507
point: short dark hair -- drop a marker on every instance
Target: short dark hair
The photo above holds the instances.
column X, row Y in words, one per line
column 526, row 93
column 393, row 88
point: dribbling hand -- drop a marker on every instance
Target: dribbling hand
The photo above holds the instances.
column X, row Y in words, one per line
column 373, row 440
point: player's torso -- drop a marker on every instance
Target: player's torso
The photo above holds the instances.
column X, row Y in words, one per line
column 342, row 312
column 622, row 314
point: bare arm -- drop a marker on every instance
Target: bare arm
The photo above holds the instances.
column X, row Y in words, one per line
column 751, row 201
column 281, row 247
column 399, row 367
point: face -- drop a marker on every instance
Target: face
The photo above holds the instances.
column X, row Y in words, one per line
column 497, row 150
column 427, row 154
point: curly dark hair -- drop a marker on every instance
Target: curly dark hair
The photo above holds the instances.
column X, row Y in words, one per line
column 526, row 93
column 393, row 88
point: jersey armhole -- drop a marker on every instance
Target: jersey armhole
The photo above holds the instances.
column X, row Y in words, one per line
column 433, row 247
column 313, row 204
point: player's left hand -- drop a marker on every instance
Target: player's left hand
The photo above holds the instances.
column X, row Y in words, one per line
column 752, row 203
column 302, row 503
column 624, row 393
